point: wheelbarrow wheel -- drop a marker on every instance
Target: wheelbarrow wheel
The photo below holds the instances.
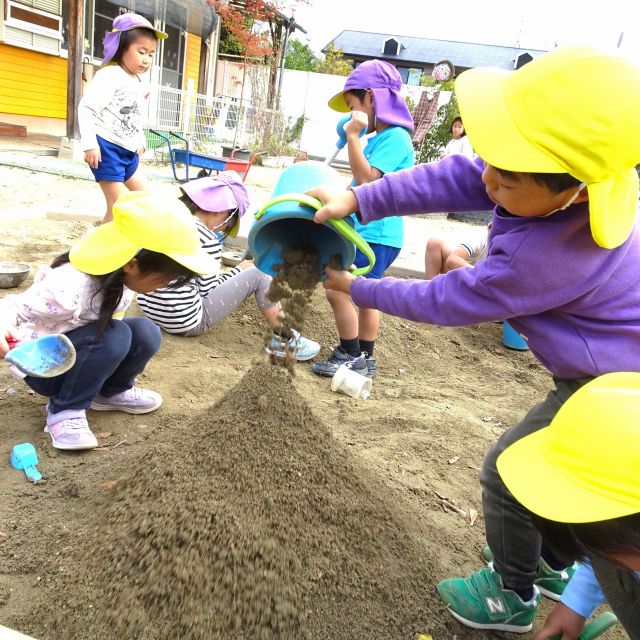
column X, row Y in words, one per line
column 203, row 173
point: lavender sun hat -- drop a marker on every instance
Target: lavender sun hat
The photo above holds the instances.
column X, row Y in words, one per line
column 384, row 82
column 223, row 192
column 125, row 22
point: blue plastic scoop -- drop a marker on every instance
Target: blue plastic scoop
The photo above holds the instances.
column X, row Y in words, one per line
column 44, row 357
column 24, row 458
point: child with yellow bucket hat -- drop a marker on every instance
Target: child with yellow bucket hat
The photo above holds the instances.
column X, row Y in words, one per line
column 586, row 497
column 151, row 242
column 557, row 142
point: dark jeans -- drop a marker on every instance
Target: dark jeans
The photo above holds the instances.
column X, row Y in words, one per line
column 105, row 364
column 622, row 591
column 511, row 535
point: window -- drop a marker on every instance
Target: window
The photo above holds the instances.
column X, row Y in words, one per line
column 34, row 24
column 391, row 47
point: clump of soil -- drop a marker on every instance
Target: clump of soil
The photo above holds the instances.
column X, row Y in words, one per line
column 258, row 525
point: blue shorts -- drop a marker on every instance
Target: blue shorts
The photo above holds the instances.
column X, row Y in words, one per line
column 117, row 164
column 385, row 255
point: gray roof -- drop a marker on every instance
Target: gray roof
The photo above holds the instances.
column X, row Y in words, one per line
column 426, row 51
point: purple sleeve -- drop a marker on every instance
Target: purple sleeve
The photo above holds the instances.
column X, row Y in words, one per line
column 452, row 184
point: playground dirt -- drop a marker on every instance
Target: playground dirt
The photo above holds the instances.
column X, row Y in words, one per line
column 335, row 516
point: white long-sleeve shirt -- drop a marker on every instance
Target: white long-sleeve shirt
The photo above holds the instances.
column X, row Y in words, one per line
column 179, row 310
column 114, row 107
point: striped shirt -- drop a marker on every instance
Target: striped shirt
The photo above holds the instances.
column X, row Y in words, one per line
column 179, row 310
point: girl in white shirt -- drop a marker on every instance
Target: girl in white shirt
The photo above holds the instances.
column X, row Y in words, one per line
column 151, row 242
column 459, row 143
column 110, row 114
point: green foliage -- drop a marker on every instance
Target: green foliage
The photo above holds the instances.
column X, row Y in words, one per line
column 334, row 62
column 229, row 44
column 300, row 56
column 439, row 134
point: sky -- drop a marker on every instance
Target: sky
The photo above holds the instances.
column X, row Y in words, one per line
column 535, row 24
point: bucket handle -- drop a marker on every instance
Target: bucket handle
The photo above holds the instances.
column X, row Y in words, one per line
column 340, row 226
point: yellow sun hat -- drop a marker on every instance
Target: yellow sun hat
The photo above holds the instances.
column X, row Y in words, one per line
column 142, row 220
column 583, row 467
column 574, row 110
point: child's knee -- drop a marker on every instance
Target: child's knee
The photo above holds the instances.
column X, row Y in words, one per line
column 145, row 335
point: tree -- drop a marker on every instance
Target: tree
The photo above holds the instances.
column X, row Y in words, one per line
column 300, row 57
column 334, row 62
column 435, row 140
column 244, row 22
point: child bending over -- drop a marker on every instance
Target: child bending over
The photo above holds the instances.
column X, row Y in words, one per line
column 217, row 204
column 150, row 243
column 557, row 160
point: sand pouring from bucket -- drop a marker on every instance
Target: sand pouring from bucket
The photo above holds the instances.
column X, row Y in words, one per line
column 286, row 222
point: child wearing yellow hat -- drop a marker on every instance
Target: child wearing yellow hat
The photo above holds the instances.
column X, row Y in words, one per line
column 586, row 498
column 151, row 242
column 557, row 142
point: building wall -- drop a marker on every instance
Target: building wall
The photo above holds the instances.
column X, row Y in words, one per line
column 32, row 83
column 192, row 60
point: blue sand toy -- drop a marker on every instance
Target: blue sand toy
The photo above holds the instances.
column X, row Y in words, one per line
column 286, row 222
column 24, row 458
column 512, row 339
column 44, row 357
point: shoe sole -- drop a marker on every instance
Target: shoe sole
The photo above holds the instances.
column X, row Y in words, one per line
column 107, row 407
column 64, row 447
column 491, row 627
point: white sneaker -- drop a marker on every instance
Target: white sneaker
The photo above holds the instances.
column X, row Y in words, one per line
column 134, row 400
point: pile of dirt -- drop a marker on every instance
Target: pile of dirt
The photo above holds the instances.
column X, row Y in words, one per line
column 259, row 524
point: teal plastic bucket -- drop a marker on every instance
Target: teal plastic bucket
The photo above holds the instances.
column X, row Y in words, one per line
column 512, row 339
column 286, row 222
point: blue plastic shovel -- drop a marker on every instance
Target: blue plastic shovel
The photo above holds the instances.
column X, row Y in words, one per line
column 44, row 357
column 24, row 458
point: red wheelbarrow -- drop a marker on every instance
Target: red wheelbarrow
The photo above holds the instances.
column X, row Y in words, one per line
column 205, row 163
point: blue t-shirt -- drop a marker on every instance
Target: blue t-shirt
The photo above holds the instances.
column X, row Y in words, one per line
column 388, row 151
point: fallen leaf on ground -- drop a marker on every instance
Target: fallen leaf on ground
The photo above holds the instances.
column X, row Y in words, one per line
column 108, row 485
column 3, row 536
column 104, row 434
column 473, row 516
column 453, row 460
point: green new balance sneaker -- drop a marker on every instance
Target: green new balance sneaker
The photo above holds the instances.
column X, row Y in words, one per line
column 480, row 602
column 550, row 583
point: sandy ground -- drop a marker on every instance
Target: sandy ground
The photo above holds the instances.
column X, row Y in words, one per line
column 442, row 397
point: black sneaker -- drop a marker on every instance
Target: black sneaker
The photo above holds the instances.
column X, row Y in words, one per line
column 337, row 358
column 372, row 367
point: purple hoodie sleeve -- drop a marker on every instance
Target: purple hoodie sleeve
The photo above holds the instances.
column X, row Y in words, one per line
column 452, row 184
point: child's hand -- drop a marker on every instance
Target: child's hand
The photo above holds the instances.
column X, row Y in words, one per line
column 336, row 205
column 338, row 280
column 6, row 332
column 92, row 157
column 141, row 150
column 359, row 121
column 245, row 264
column 562, row 622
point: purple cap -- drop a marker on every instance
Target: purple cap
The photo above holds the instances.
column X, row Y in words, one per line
column 125, row 22
column 223, row 192
column 384, row 81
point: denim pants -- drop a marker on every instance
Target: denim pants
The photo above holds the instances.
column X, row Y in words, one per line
column 511, row 535
column 105, row 364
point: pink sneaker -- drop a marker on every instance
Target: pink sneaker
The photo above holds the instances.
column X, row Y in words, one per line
column 69, row 430
column 134, row 400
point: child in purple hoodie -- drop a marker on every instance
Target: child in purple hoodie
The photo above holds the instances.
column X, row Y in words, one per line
column 556, row 158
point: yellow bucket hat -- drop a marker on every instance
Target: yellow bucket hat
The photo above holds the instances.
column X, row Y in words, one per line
column 584, row 466
column 142, row 220
column 574, row 110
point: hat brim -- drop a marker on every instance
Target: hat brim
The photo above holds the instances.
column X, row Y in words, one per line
column 338, row 103
column 102, row 250
column 201, row 263
column 105, row 249
column 547, row 490
column 491, row 128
